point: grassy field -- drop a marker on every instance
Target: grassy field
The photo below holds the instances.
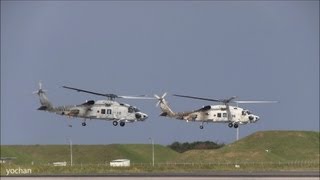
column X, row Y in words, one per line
column 268, row 150
column 87, row 154
column 267, row 146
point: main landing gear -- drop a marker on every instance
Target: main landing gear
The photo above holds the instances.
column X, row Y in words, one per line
column 235, row 125
column 84, row 123
column 115, row 123
column 201, row 126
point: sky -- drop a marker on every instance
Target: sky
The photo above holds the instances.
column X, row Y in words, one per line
column 255, row 50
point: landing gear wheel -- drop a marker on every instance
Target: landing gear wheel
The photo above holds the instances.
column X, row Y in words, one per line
column 115, row 123
column 230, row 125
column 122, row 124
column 201, row 126
column 84, row 124
column 235, row 125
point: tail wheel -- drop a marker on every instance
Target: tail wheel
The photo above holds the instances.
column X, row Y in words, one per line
column 115, row 123
column 84, row 124
column 230, row 125
column 201, row 126
column 122, row 124
column 235, row 125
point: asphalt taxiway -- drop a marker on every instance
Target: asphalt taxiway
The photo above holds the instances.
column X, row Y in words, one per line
column 269, row 175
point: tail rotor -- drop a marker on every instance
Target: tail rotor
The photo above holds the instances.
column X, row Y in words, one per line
column 44, row 101
column 166, row 110
column 160, row 99
column 40, row 90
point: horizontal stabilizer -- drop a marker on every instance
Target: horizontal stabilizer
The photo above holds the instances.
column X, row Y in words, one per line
column 43, row 108
column 164, row 114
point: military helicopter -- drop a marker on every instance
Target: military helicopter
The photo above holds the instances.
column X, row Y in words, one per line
column 223, row 113
column 109, row 109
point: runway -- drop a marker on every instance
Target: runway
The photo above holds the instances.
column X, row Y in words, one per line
column 164, row 178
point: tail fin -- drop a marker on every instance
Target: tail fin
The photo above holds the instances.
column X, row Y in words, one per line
column 166, row 110
column 45, row 103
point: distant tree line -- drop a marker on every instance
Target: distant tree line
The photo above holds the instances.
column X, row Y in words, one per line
column 182, row 147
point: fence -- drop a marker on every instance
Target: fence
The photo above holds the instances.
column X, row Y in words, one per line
column 243, row 163
column 197, row 164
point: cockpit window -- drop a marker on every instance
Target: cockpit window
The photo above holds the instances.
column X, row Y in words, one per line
column 132, row 109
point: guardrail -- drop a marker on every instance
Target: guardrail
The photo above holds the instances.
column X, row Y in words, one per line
column 196, row 164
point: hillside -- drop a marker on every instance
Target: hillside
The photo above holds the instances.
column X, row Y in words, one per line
column 267, row 146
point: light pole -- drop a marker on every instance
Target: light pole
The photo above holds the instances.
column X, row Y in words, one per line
column 237, row 136
column 70, row 142
column 152, row 142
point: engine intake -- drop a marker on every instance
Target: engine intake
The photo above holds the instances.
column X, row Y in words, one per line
column 205, row 108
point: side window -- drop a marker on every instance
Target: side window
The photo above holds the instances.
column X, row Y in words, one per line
column 103, row 111
column 108, row 111
column 130, row 109
column 219, row 114
column 224, row 114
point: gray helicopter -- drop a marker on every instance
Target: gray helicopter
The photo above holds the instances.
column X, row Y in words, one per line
column 223, row 113
column 109, row 109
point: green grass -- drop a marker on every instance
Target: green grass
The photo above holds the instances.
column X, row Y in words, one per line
column 287, row 150
column 281, row 146
column 87, row 154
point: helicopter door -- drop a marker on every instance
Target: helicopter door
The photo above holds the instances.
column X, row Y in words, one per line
column 101, row 113
column 109, row 112
column 221, row 116
column 105, row 113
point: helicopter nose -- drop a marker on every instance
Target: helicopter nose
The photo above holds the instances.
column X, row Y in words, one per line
column 253, row 118
column 144, row 116
column 141, row 116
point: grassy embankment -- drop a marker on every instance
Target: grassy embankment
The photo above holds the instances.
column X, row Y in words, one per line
column 269, row 150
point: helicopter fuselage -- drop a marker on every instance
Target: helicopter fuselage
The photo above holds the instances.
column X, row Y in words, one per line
column 104, row 110
column 218, row 114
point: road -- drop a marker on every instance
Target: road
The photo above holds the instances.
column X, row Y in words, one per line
column 276, row 175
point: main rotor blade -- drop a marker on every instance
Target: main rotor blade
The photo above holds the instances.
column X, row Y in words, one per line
column 255, row 102
column 91, row 92
column 112, row 96
column 136, row 97
column 193, row 97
